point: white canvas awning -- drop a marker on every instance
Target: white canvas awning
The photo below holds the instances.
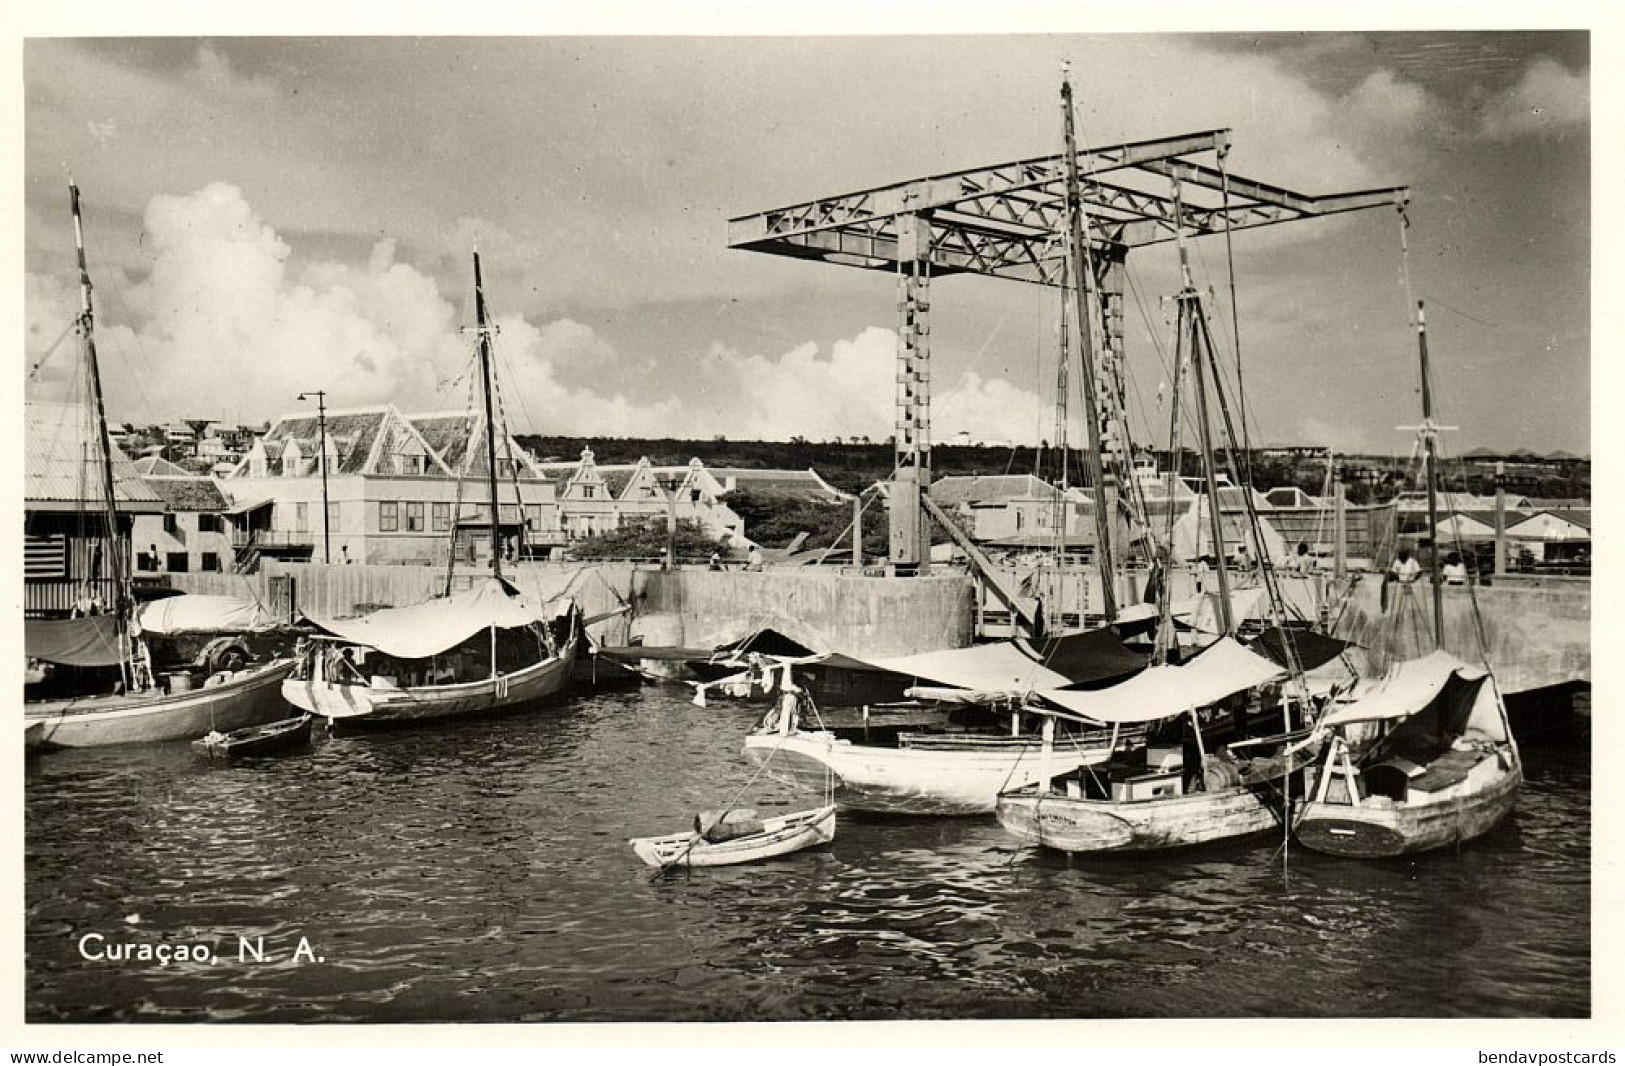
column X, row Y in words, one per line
column 985, row 668
column 1409, row 687
column 204, row 614
column 1223, row 669
column 426, row 629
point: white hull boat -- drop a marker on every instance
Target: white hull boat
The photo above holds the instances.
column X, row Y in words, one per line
column 907, row 780
column 777, row 836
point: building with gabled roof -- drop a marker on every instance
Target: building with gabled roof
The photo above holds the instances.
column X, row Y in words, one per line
column 194, row 532
column 1553, row 535
column 66, row 552
column 400, row 488
column 595, row 498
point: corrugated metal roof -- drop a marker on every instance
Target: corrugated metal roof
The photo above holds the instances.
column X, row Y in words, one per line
column 61, row 464
column 158, row 466
column 955, row 489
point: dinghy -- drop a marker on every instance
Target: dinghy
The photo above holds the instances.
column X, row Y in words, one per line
column 256, row 740
column 715, row 845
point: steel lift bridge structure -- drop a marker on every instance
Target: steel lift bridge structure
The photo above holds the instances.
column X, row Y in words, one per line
column 1011, row 220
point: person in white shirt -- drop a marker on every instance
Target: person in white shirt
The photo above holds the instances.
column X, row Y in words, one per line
column 1455, row 571
column 1405, row 569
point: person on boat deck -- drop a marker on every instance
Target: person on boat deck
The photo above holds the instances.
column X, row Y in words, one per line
column 87, row 604
column 716, row 561
column 1455, row 571
column 344, row 550
column 754, row 560
column 1244, row 558
column 1200, row 572
column 345, row 663
column 1302, row 561
column 1405, row 569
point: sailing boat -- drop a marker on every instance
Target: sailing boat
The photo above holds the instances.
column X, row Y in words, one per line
column 485, row 649
column 1179, row 792
column 138, row 711
column 960, row 771
column 1426, row 758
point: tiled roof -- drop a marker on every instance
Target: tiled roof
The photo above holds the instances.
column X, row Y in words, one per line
column 353, row 434
column 60, row 463
column 190, row 493
column 448, row 434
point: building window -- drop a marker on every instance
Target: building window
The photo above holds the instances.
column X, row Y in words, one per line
column 210, row 523
column 172, row 523
column 301, row 517
column 177, row 562
column 533, row 517
column 210, row 561
column 414, row 517
column 440, row 513
column 389, row 516
column 693, row 495
column 586, row 492
column 409, row 464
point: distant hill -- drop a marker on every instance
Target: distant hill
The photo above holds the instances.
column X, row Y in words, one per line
column 854, row 467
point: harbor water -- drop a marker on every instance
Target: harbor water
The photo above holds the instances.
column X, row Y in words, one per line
column 480, row 872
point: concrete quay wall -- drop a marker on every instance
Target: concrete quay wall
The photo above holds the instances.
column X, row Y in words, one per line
column 1535, row 635
column 694, row 608
column 862, row 616
column 1538, row 634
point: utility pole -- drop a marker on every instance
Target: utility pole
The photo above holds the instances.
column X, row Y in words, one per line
column 321, row 446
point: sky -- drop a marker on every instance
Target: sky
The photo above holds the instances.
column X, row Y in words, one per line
column 267, row 216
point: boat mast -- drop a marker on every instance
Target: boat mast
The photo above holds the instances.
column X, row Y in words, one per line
column 484, row 329
column 1201, row 355
column 1430, row 439
column 115, row 560
column 1083, row 289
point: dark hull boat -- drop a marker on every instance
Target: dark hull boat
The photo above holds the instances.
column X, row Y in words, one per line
column 269, row 739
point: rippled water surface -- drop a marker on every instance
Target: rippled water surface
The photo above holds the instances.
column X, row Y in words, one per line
column 481, row 873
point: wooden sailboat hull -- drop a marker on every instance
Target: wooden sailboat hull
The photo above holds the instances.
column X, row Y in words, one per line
column 779, row 836
column 363, row 703
column 908, row 780
column 253, row 698
column 1422, row 822
column 1078, row 825
column 256, row 740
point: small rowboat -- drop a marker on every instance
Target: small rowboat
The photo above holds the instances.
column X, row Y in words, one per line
column 256, row 740
column 777, row 836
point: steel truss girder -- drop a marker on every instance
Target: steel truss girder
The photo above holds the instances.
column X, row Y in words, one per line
column 1003, row 220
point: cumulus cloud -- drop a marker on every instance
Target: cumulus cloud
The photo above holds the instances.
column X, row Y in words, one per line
column 1547, row 99
column 1385, row 106
column 228, row 323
